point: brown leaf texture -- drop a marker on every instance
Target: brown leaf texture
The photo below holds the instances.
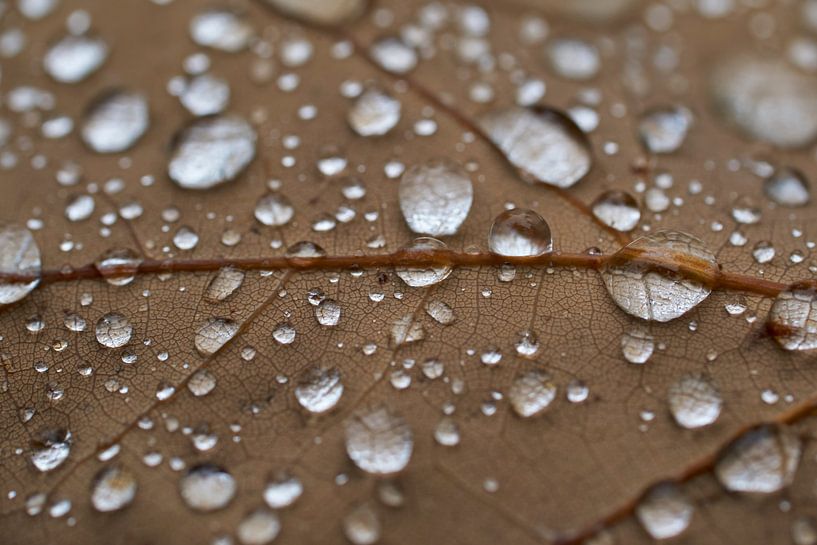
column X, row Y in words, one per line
column 579, row 471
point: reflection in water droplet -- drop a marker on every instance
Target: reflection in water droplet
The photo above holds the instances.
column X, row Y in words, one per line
column 115, row 120
column 393, row 55
column 118, row 266
column 213, row 334
column 212, row 151
column 664, row 511
column 694, row 401
column 274, row 209
column 637, row 345
column 374, row 113
column 440, row 312
column 435, row 197
column 788, row 187
column 19, row 254
column 543, row 143
column 258, row 528
column 663, row 130
column 407, row 330
column 74, row 58
column 762, row 460
column 224, row 284
column 114, row 489
column 50, row 449
column 418, row 277
column 379, row 441
column 185, row 238
column 793, row 319
column 618, row 209
column 221, row 29
column 113, row 330
column 361, row 526
column 531, row 393
column 319, row 390
column 207, row 488
column 661, row 295
column 520, row 233
column 282, row 491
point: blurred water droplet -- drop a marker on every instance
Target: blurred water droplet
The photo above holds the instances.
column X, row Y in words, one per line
column 201, row 383
column 393, row 55
column 694, row 402
column 664, row 511
column 435, row 197
column 440, row 312
column 258, row 528
column 663, row 130
column 213, row 334
column 50, row 449
column 80, row 208
column 19, row 255
column 282, row 491
column 113, row 330
column 574, row 59
column 114, row 489
column 321, row 12
column 207, row 488
column 205, row 94
column 74, row 58
column 379, row 441
column 221, row 29
column 531, row 393
column 185, row 238
column 788, row 187
column 447, row 432
column 118, row 266
column 274, row 209
column 115, row 121
column 361, row 526
column 417, row 277
column 319, row 390
column 617, row 209
column 520, row 233
column 763, row 461
column 374, row 113
column 637, row 345
column 224, row 284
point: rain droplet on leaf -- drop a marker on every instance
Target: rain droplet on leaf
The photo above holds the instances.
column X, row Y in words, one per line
column 19, row 255
column 114, row 488
column 224, row 284
column 531, row 393
column 417, row 277
column 274, row 209
column 793, row 318
column 664, row 511
column 50, row 449
column 113, row 330
column 319, row 390
column 118, row 266
column 788, row 187
column 221, row 29
column 74, row 58
column 763, row 461
column 694, row 402
column 207, row 488
column 115, row 121
column 663, row 130
column 213, row 334
column 520, row 233
column 361, row 526
column 379, row 441
column 617, row 209
column 435, row 197
column 374, row 113
column 321, row 12
column 260, row 527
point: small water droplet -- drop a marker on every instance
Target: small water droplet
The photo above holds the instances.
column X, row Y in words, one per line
column 531, row 393
column 417, row 277
column 114, row 489
column 374, row 113
column 617, row 209
column 213, row 334
column 664, row 511
column 274, row 209
column 113, row 330
column 663, row 130
column 435, row 197
column 694, row 402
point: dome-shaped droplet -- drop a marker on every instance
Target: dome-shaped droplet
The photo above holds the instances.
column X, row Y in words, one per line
column 520, row 233
column 207, row 488
column 544, row 144
column 374, row 113
column 221, row 29
column 74, row 58
column 212, row 151
column 284, row 333
column 80, row 208
column 435, row 197
column 663, row 130
column 118, row 266
column 205, row 94
column 328, row 312
column 201, row 383
column 654, row 292
column 417, row 277
column 283, row 491
column 637, row 345
column 788, row 187
column 573, row 58
column 260, row 527
column 767, row 99
column 321, row 12
column 447, row 432
column 114, row 488
column 763, row 460
column 50, row 449
column 224, row 284
column 274, row 209
column 306, row 250
column 115, row 121
column 694, row 401
column 319, row 390
column 379, row 441
column 213, row 334
column 617, row 209
column 793, row 318
column 393, row 55
column 531, row 393
column 361, row 526
column 19, row 255
column 113, row 330
column 664, row 511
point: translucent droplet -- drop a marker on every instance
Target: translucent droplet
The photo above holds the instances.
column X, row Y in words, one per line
column 207, row 488
column 321, row 12
column 793, row 319
column 205, row 94
column 213, row 334
column 305, row 249
column 114, row 489
column 258, row 528
column 374, row 113
column 440, row 312
column 447, row 432
column 658, row 293
column 221, row 29
column 531, row 393
column 201, row 383
column 664, row 511
column 282, row 491
column 574, row 59
column 224, row 284
column 394, row 55
column 118, row 266
column 319, row 390
column 694, row 402
column 115, row 121
column 520, row 233
column 284, row 333
column 274, row 209
column 50, row 449
column 763, row 252
column 19, row 255
column 185, row 238
column 113, row 330
column 212, row 151
column 435, row 197
column 663, row 130
column 361, row 526
column 763, row 461
column 804, row 528
column 617, row 209
column 788, row 187
column 80, row 208
column 637, row 345
column 544, row 144
column 379, row 441
column 417, row 277
column 407, row 330
column 328, row 313
column 74, row 58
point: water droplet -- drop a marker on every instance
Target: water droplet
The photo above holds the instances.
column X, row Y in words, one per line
column 788, row 187
column 393, row 55
column 661, row 295
column 361, row 526
column 379, row 441
column 259, row 527
column 543, row 143
column 763, row 461
column 435, row 197
column 115, row 121
column 118, row 266
column 663, row 130
column 74, row 58
column 328, row 312
column 531, row 393
column 284, row 333
column 637, row 345
column 19, row 255
column 407, row 330
column 793, row 319
column 224, row 284
column 114, row 489
column 185, row 238
column 664, row 511
column 694, row 402
column 50, row 449
column 205, row 94
column 319, row 390
column 80, row 208
column 763, row 252
column 212, row 151
column 321, row 12
column 804, row 530
column 201, row 383
column 447, row 432
column 374, row 113
column 617, row 209
column 207, row 488
column 221, row 29
column 440, row 312
column 574, row 59
column 283, row 491
column 274, row 209
column 305, row 249
column 520, row 233
column 113, row 330
column 417, row 277
column 213, row 334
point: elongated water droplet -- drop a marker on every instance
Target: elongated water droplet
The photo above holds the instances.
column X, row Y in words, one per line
column 694, row 402
column 205, row 94
column 618, row 209
column 114, row 489
column 573, row 58
column 207, row 488
column 224, row 284
column 213, row 334
column 417, row 277
column 115, row 121
column 50, row 449
column 393, row 55
column 658, row 294
column 374, row 113
column 118, row 266
column 665, row 511
column 793, row 319
column 282, row 491
column 531, row 393
column 663, row 130
column 113, row 330
column 221, row 29
column 260, row 527
column 637, row 345
column 19, row 255
column 520, row 233
column 321, row 12
column 788, row 187
column 379, row 441
column 762, row 460
column 440, row 312
column 274, row 209
column 435, row 198
column 319, row 390
column 74, row 58
column 544, row 144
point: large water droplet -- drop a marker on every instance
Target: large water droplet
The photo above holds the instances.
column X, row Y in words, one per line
column 115, row 121
column 379, row 441
column 274, row 209
column 113, row 330
column 74, row 58
column 374, row 113
column 212, row 151
column 435, row 197
column 50, row 449
column 319, row 390
column 762, row 460
column 328, row 312
column 617, row 209
column 664, row 511
column 418, row 277
column 531, row 393
column 694, row 402
column 659, row 293
column 788, row 187
column 282, row 491
column 259, row 527
column 663, row 130
column 207, row 488
column 520, row 233
column 221, row 29
column 793, row 319
column 213, row 334
column 114, row 489
column 19, row 255
column 543, row 143
column 118, row 266
column 205, row 94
